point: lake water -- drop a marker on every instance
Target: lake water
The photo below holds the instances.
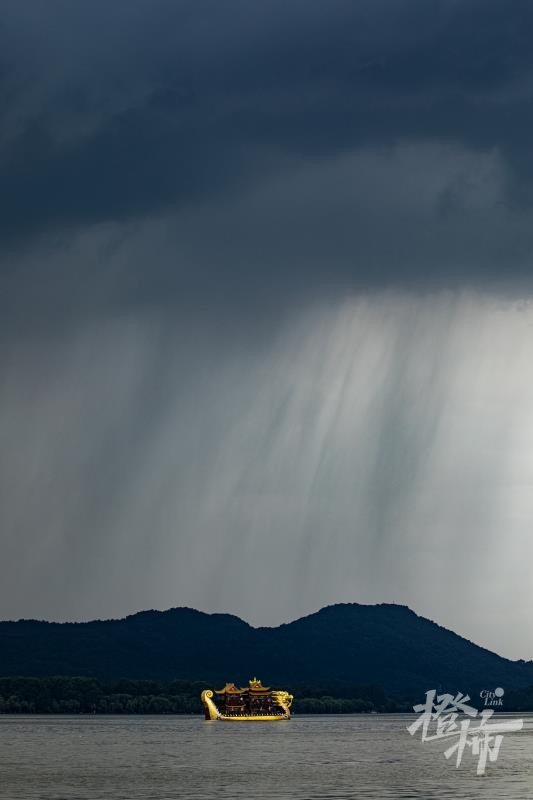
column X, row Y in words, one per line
column 331, row 758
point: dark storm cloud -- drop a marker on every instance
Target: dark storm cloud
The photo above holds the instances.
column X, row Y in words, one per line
column 118, row 111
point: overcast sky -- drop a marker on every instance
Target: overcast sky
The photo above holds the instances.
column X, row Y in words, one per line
column 266, row 332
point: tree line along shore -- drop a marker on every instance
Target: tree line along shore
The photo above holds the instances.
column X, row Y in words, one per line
column 71, row 695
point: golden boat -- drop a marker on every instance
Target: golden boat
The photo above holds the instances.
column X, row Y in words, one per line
column 254, row 703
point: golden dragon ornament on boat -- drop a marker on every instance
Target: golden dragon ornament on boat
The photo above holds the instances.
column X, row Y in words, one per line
column 253, row 703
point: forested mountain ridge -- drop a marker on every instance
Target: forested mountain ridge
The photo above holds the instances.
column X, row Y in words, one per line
column 348, row 644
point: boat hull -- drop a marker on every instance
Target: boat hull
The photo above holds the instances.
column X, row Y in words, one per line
column 254, row 718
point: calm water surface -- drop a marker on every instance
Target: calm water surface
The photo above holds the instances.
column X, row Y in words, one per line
column 107, row 758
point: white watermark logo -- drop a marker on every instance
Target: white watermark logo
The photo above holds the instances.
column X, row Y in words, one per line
column 492, row 698
column 438, row 720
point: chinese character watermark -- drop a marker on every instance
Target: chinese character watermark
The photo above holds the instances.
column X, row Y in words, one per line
column 439, row 719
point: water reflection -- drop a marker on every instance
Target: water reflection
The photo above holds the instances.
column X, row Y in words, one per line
column 310, row 757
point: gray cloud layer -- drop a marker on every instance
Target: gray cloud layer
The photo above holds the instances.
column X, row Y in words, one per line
column 115, row 112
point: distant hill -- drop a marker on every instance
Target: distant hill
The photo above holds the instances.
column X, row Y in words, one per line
column 386, row 645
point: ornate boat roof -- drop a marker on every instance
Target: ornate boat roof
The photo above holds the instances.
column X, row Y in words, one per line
column 254, row 686
column 257, row 687
column 230, row 688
